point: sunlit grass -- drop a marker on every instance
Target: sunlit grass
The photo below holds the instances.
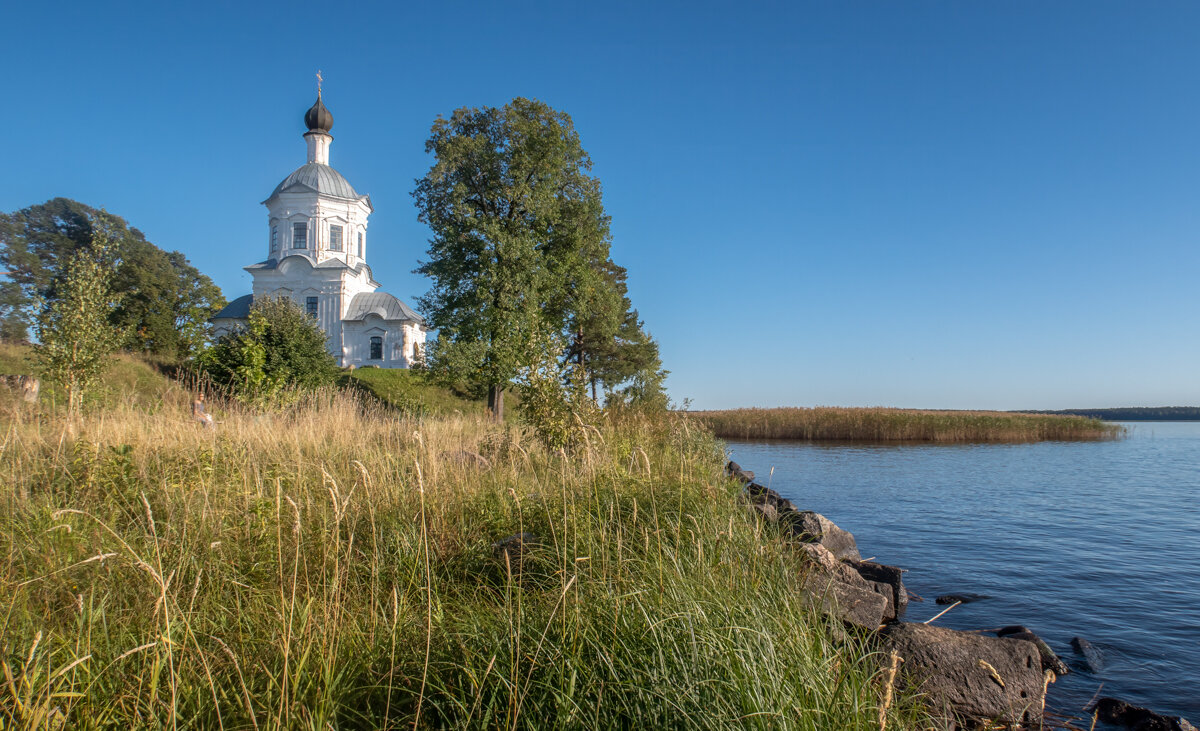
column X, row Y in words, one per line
column 331, row 565
column 900, row 425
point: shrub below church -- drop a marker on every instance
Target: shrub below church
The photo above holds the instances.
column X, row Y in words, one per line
column 280, row 348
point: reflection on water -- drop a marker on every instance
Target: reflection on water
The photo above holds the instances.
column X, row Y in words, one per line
column 1099, row 540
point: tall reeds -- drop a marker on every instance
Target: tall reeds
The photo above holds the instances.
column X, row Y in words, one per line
column 332, row 565
column 901, row 425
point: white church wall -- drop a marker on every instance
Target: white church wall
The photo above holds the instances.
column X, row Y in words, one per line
column 357, row 343
column 318, row 212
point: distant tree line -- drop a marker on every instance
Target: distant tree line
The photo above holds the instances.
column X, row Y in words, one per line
column 162, row 303
column 1135, row 413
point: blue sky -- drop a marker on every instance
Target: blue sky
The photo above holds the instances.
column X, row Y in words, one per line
column 920, row 204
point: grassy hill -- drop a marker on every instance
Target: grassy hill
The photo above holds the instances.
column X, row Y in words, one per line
column 409, row 391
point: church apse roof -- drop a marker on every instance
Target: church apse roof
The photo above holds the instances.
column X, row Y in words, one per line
column 239, row 309
column 380, row 303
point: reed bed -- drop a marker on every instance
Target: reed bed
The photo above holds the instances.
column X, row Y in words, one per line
column 826, row 423
column 333, row 566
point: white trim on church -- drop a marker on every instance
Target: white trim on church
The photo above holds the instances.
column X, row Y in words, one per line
column 317, row 256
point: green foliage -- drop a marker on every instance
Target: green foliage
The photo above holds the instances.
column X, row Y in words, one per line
column 518, row 228
column 74, row 328
column 165, row 302
column 614, row 349
column 554, row 399
column 281, row 348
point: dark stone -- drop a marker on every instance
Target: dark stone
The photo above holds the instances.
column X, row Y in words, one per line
column 887, row 592
column 1050, row 660
column 735, row 471
column 824, row 561
column 970, row 677
column 1093, row 660
column 813, row 527
column 513, row 549
column 759, row 495
column 960, row 598
column 890, row 575
column 1136, row 718
column 766, row 511
column 854, row 605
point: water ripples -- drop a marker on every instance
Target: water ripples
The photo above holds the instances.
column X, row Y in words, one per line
column 1099, row 540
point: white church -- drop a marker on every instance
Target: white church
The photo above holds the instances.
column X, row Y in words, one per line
column 317, row 256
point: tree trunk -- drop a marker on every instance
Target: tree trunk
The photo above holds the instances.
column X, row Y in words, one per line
column 496, row 402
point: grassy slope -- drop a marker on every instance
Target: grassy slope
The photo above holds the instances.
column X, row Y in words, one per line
column 409, row 391
column 900, row 425
column 128, row 380
column 332, row 566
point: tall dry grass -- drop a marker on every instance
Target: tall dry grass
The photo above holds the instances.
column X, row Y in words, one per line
column 901, row 425
column 332, row 566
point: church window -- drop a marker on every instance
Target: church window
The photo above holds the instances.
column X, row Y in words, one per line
column 310, row 306
column 274, row 238
column 376, row 348
column 335, row 238
column 360, row 242
column 299, row 235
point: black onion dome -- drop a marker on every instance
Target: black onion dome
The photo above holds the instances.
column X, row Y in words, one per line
column 318, row 117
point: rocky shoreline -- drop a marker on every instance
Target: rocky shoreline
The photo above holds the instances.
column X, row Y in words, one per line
column 972, row 680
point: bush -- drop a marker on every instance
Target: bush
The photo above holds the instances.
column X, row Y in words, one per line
column 281, row 347
column 554, row 398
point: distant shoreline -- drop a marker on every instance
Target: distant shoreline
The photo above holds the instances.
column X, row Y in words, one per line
column 888, row 425
column 1130, row 413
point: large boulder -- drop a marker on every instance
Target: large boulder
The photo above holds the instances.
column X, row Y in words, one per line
column 893, row 577
column 823, row 561
column 856, row 605
column 1136, row 718
column 969, row 677
column 813, row 527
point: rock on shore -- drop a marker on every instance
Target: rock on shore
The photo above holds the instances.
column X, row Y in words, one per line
column 968, row 676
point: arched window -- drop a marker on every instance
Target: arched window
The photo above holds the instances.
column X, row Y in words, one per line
column 376, row 348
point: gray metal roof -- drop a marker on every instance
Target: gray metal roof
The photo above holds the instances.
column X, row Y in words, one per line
column 382, row 304
column 239, row 309
column 321, row 178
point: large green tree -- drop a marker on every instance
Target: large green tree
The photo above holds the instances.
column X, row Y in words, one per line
column 165, row 302
column 518, row 230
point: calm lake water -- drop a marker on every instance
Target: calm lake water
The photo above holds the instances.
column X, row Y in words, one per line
column 1096, row 540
